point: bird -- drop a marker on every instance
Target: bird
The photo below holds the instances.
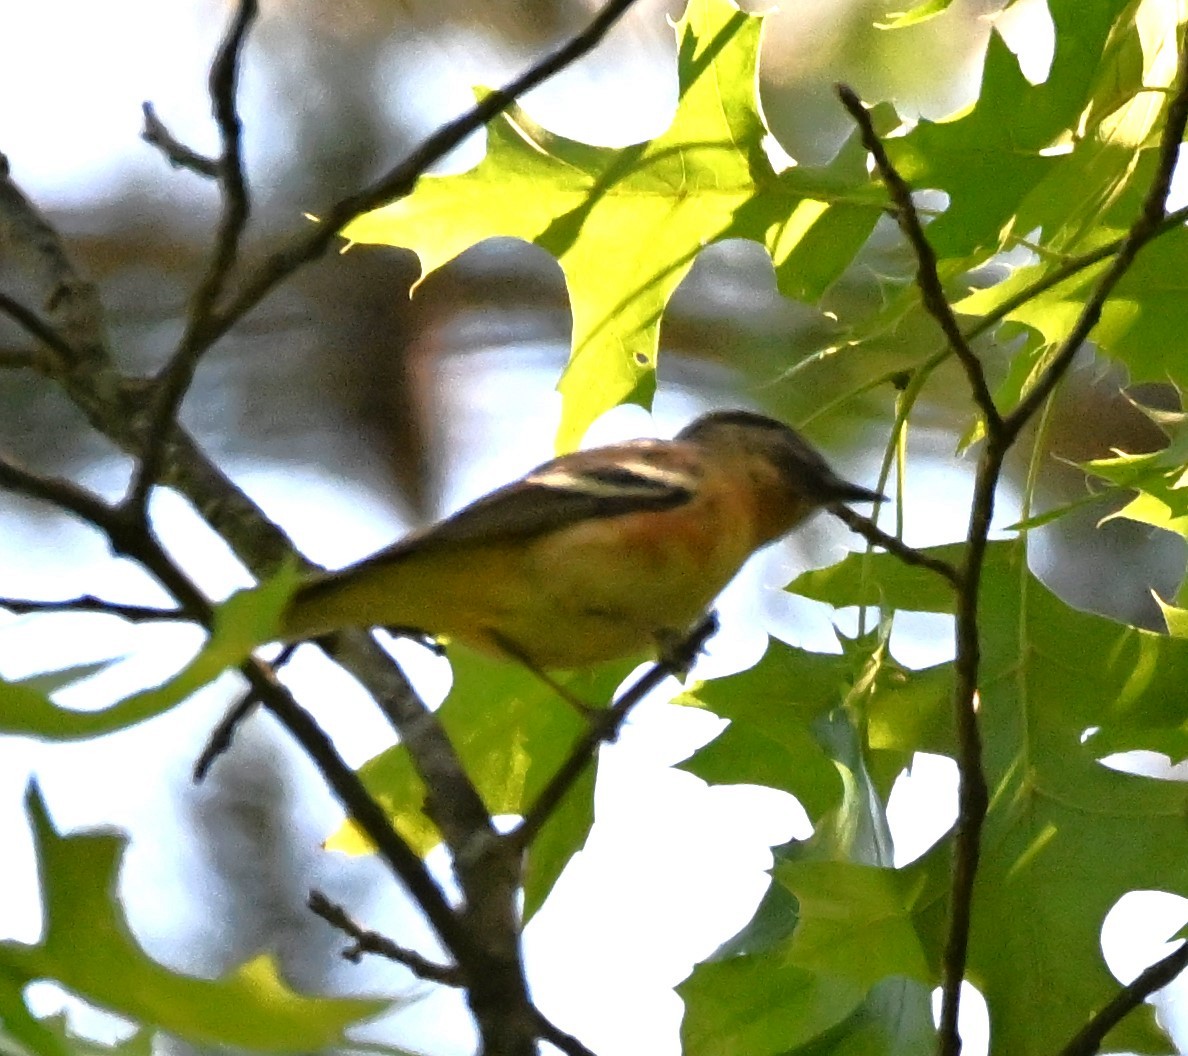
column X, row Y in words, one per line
column 597, row 555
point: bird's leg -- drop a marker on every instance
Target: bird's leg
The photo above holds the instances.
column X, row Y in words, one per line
column 678, row 650
column 514, row 652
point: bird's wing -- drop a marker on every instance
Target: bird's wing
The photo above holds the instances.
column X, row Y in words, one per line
column 632, row 477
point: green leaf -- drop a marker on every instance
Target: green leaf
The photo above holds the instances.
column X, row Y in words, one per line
column 1159, row 477
column 896, row 586
column 1000, row 162
column 813, row 935
column 88, row 948
column 627, row 224
column 922, row 12
column 894, row 1020
column 780, row 725
column 52, row 1035
column 1144, row 324
column 770, row 740
column 1175, row 617
column 856, row 921
column 984, row 161
column 511, row 732
column 1045, row 885
column 242, row 623
column 814, row 978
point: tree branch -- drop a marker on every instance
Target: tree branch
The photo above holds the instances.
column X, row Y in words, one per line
column 90, row 603
column 909, row 555
column 222, row 736
column 32, row 323
column 176, row 152
column 399, row 181
column 75, row 312
column 1089, row 1039
column 132, row 537
column 556, row 1037
column 927, row 277
column 21, row 359
column 174, row 381
column 604, row 727
column 367, row 941
column 55, row 492
column 973, row 795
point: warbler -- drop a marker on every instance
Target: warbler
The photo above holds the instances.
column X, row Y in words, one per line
column 593, row 556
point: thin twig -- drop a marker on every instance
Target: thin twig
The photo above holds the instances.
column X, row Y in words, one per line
column 909, row 555
column 1088, row 1039
column 972, row 792
column 35, row 326
column 75, row 326
column 174, row 381
column 927, row 277
column 363, row 810
column 222, row 736
column 55, row 491
column 399, row 181
column 1068, row 270
column 176, row 152
column 367, row 941
column 604, row 727
column 90, row 603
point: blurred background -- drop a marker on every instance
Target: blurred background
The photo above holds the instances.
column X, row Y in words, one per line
column 352, row 412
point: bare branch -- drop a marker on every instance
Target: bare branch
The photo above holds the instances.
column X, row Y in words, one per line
column 367, row 941
column 1089, row 1038
column 909, row 555
column 131, row 536
column 223, row 734
column 604, row 727
column 20, row 359
column 75, row 326
column 56, row 492
column 972, row 794
column 176, row 152
column 90, row 603
column 399, row 180
column 926, row 274
column 35, row 326
column 174, row 381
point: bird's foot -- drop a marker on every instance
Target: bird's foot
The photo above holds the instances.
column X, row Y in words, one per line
column 679, row 650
